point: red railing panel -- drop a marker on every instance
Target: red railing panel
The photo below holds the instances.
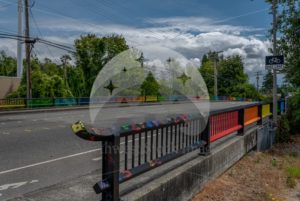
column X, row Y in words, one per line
column 223, row 124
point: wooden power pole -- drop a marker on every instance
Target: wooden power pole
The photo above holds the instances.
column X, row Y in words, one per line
column 28, row 50
column 274, row 32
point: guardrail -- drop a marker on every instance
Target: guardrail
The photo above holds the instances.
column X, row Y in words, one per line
column 142, row 147
column 56, row 102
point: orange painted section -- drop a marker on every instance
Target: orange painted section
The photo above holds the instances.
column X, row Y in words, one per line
column 251, row 115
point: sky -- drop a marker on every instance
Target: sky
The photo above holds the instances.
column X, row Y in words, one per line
column 191, row 27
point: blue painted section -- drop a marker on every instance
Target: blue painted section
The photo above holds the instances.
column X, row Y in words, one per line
column 65, row 101
column 84, row 101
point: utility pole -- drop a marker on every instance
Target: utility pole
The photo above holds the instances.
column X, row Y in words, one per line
column 216, row 58
column 274, row 12
column 215, row 77
column 257, row 80
column 28, row 50
column 19, row 43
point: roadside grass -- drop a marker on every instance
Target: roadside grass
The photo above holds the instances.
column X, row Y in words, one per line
column 293, row 171
column 259, row 176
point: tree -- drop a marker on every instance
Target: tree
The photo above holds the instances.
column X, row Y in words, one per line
column 8, row 65
column 267, row 84
column 289, row 42
column 93, row 52
column 65, row 64
column 232, row 81
column 289, row 46
column 150, row 86
column 46, row 81
column 231, row 74
column 207, row 72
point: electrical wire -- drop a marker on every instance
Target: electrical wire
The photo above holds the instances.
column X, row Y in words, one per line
column 40, row 40
column 40, row 33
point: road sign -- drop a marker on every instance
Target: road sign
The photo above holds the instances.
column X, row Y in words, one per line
column 274, row 62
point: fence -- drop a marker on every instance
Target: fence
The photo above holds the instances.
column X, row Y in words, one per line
column 56, row 102
column 141, row 147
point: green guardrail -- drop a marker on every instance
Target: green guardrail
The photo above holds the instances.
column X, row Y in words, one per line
column 43, row 102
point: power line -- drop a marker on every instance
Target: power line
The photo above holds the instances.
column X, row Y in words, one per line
column 40, row 33
column 36, row 39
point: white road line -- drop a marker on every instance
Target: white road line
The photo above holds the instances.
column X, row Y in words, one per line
column 49, row 161
column 58, row 159
column 97, row 159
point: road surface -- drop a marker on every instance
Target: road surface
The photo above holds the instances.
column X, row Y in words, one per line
column 39, row 149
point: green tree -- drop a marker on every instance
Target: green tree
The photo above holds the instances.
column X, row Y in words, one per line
column 267, row 84
column 150, row 86
column 76, row 82
column 231, row 75
column 8, row 65
column 46, row 81
column 207, row 72
column 289, row 46
column 93, row 52
column 232, row 81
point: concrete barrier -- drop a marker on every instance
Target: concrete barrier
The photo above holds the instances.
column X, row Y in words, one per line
column 187, row 180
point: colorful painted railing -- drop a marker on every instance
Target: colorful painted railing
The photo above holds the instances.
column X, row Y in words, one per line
column 12, row 103
column 223, row 124
column 53, row 102
column 147, row 145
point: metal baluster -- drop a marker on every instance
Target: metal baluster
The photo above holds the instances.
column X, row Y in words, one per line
column 133, row 150
column 126, row 152
column 151, row 153
column 146, row 146
column 140, row 148
column 156, row 144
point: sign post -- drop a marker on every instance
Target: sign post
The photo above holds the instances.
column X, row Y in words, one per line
column 274, row 62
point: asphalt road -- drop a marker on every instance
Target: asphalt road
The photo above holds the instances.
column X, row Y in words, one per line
column 39, row 149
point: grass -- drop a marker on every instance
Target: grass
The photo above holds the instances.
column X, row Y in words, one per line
column 294, row 171
column 290, row 181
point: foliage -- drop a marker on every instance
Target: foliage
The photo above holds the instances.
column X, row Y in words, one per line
column 150, row 86
column 207, row 72
column 45, row 82
column 93, row 52
column 289, row 42
column 231, row 75
column 267, row 84
column 290, row 182
column 245, row 90
column 293, row 112
column 283, row 130
column 8, row 65
column 294, row 171
column 232, row 81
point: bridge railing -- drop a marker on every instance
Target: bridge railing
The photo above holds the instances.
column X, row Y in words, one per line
column 138, row 148
column 79, row 101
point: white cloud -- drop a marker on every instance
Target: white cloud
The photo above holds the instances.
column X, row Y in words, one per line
column 191, row 36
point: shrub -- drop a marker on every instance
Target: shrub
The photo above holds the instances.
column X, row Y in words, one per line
column 283, row 130
column 293, row 113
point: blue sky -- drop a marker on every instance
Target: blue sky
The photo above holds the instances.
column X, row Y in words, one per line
column 192, row 27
